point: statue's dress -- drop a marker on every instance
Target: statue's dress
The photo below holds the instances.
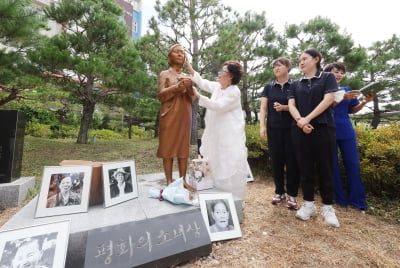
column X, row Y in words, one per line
column 175, row 117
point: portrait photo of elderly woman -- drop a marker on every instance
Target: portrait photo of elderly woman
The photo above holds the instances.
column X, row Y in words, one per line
column 120, row 181
column 34, row 252
column 65, row 190
column 219, row 216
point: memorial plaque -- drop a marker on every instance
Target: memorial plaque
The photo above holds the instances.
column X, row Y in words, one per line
column 12, row 125
column 157, row 242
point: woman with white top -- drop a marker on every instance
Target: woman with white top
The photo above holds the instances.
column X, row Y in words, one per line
column 223, row 143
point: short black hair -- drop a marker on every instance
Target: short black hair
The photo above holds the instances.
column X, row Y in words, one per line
column 284, row 61
column 337, row 65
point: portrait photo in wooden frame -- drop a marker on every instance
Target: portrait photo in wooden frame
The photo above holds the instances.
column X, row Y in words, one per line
column 64, row 190
column 119, row 182
column 220, row 217
column 43, row 246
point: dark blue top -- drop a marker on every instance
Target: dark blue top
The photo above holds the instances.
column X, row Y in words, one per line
column 344, row 126
column 274, row 92
column 308, row 93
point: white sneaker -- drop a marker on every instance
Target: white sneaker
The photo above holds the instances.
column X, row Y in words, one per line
column 329, row 216
column 306, row 211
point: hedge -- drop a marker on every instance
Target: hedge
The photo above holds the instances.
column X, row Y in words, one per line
column 379, row 151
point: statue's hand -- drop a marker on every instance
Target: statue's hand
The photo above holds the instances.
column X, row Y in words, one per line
column 188, row 83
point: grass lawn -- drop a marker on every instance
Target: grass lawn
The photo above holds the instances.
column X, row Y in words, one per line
column 40, row 152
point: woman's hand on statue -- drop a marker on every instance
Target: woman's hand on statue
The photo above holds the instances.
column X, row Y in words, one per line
column 196, row 92
column 188, row 65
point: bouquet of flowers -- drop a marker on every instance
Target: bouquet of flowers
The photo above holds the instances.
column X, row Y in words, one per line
column 174, row 193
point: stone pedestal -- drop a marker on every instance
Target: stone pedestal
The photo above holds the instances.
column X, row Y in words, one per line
column 177, row 232
column 12, row 125
column 12, row 194
column 155, row 233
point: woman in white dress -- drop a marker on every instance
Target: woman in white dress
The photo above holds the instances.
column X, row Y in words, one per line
column 223, row 143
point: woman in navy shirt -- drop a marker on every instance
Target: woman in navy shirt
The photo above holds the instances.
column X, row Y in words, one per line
column 347, row 143
column 274, row 106
column 313, row 134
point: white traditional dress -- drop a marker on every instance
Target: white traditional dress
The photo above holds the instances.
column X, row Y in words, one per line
column 223, row 143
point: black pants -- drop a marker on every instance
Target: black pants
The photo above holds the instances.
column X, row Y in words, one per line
column 283, row 159
column 315, row 150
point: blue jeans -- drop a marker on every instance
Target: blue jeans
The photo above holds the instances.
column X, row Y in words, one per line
column 355, row 190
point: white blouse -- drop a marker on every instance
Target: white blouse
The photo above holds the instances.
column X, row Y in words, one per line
column 224, row 139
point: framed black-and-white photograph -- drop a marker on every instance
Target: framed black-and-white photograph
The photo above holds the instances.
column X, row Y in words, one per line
column 119, row 181
column 40, row 246
column 64, row 190
column 250, row 177
column 220, row 217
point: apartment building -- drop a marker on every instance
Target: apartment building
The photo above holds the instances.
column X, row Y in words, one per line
column 132, row 16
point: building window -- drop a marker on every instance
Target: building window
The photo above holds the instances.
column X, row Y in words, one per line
column 134, row 26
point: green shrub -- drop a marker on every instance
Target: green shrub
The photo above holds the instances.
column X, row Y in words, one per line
column 137, row 133
column 105, row 134
column 257, row 150
column 66, row 131
column 38, row 130
column 380, row 159
column 379, row 152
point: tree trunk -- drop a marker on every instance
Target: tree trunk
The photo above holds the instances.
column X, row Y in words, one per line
column 255, row 116
column 195, row 43
column 245, row 101
column 377, row 114
column 194, row 134
column 129, row 130
column 87, row 115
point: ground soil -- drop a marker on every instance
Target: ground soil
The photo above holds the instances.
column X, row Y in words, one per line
column 273, row 237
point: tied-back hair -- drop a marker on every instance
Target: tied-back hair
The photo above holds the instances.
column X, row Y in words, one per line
column 170, row 51
column 284, row 61
column 315, row 53
column 235, row 69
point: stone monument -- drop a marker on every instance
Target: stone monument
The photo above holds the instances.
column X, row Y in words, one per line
column 13, row 189
column 12, row 133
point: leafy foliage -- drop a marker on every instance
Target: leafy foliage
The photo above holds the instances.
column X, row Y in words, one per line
column 380, row 158
column 19, row 34
column 321, row 33
column 105, row 134
column 257, row 148
column 193, row 24
column 93, row 54
column 383, row 65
